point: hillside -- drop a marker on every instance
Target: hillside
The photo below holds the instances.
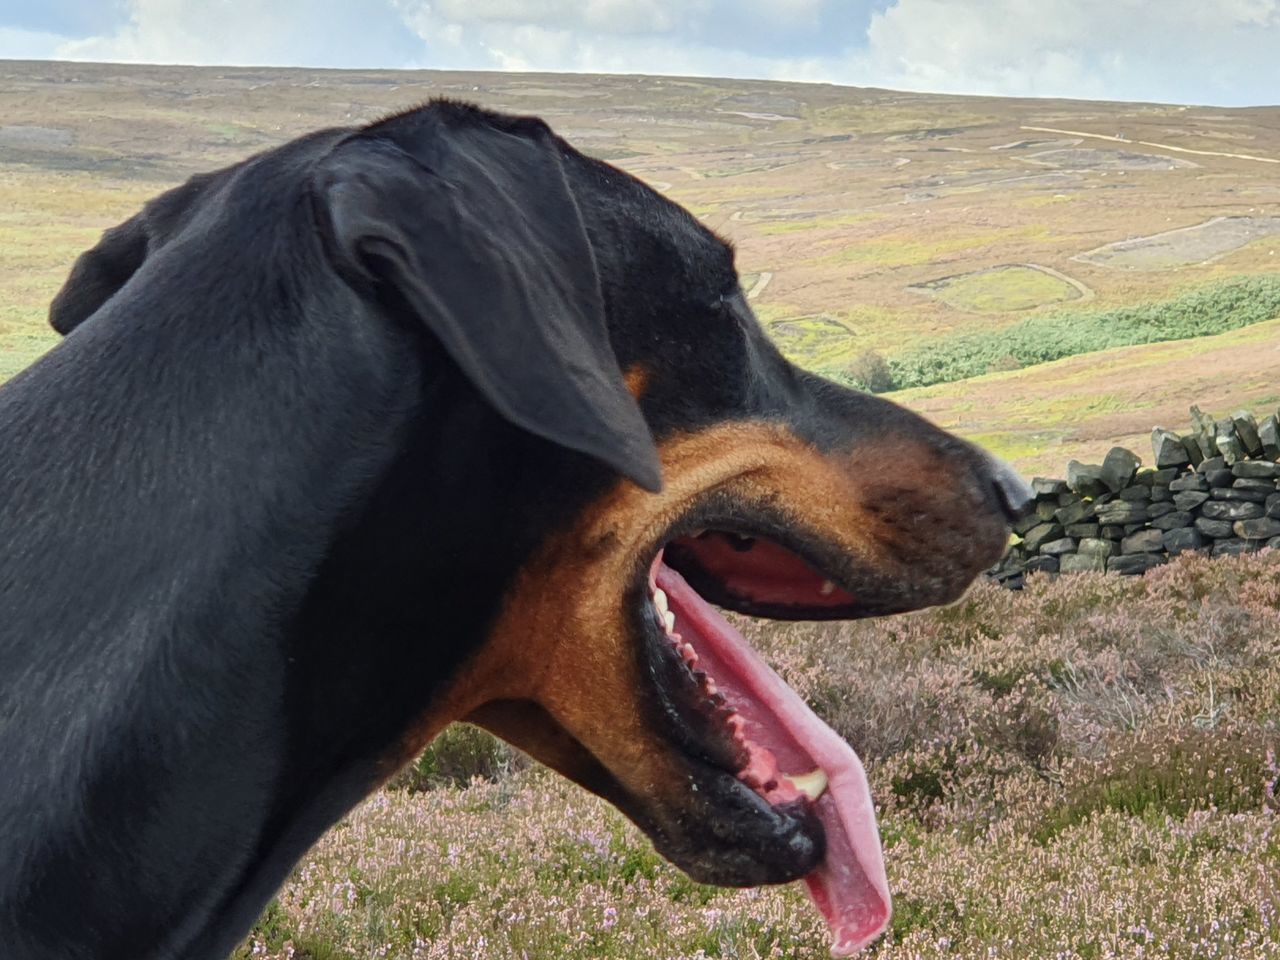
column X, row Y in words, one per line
column 864, row 219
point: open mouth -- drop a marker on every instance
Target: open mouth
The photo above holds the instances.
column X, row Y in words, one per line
column 807, row 812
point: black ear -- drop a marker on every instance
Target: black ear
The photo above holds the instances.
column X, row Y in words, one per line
column 475, row 231
column 98, row 273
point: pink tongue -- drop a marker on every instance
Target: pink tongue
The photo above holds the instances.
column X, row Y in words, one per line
column 850, row 888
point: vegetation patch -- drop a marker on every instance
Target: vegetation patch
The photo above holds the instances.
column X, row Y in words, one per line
column 816, row 340
column 1000, row 289
column 1207, row 310
column 1092, row 158
column 1176, row 248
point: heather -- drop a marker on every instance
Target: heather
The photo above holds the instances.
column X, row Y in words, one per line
column 1083, row 769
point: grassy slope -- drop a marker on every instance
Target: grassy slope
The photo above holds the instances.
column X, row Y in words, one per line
column 849, row 198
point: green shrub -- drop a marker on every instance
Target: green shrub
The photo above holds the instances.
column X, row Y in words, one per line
column 1167, row 772
column 868, row 371
column 458, row 754
column 1205, row 311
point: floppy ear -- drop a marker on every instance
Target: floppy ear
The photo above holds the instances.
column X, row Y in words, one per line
column 98, row 273
column 475, row 232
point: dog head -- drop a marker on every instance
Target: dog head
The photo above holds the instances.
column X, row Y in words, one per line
column 681, row 464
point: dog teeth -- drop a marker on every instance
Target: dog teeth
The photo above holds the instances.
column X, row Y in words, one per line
column 827, row 588
column 660, row 600
column 812, row 784
column 669, row 621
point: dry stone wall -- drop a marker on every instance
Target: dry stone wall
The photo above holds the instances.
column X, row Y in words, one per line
column 1214, row 489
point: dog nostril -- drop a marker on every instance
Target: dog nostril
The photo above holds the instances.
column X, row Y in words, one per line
column 1015, row 497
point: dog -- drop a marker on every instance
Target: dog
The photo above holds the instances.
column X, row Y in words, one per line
column 426, row 420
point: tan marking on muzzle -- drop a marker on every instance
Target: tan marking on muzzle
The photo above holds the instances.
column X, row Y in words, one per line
column 563, row 640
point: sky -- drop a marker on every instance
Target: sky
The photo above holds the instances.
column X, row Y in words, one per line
column 1219, row 52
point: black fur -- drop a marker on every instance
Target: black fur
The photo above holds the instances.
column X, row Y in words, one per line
column 311, row 415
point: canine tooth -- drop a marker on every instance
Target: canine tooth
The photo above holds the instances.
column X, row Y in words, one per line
column 710, row 685
column 827, row 588
column 660, row 599
column 812, row 784
column 669, row 619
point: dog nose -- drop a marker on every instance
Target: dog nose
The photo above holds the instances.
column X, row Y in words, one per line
column 1012, row 493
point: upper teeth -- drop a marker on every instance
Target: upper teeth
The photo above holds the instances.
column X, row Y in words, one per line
column 812, row 784
column 660, row 599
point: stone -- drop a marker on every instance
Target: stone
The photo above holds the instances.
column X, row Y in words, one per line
column 1273, row 543
column 1192, row 481
column 1135, row 494
column 1085, row 478
column 1041, row 534
column 1220, row 478
column 1121, row 512
column 1234, row 548
column 1189, row 499
column 1045, row 509
column 1204, row 432
column 1080, row 530
column 1272, row 506
column 1118, row 468
column 1082, row 563
column 1249, row 483
column 1111, row 531
column 1263, row 528
column 1256, row 470
column 1156, row 510
column 1047, row 487
column 1229, row 444
column 1093, row 547
column 1042, row 565
column 1194, row 452
column 1269, row 436
column 1065, row 545
column 1161, row 494
column 1227, row 510
column 1068, row 498
column 1171, row 521
column 1247, row 431
column 1211, row 463
column 1022, row 525
column 1214, row 528
column 1134, row 563
column 1162, row 478
column 1144, row 541
column 1166, row 446
column 1132, row 528
column 1073, row 512
column 1183, row 539
column 1235, row 495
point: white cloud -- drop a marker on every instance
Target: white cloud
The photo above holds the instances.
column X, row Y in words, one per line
column 274, row 32
column 1213, row 51
column 1123, row 49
